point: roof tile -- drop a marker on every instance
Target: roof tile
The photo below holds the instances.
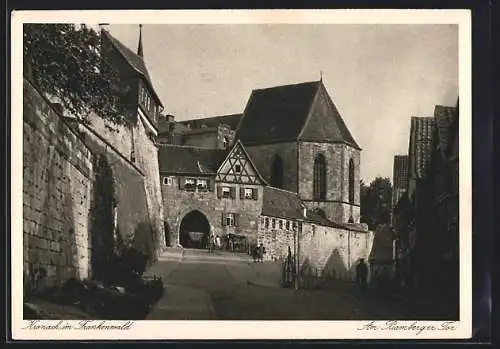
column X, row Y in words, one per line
column 189, row 160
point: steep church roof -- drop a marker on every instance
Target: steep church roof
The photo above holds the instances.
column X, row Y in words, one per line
column 189, row 160
column 134, row 60
column 282, row 113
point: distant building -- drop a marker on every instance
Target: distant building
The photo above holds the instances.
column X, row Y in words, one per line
column 399, row 180
column 426, row 215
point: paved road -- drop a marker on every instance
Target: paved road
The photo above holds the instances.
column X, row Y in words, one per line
column 227, row 286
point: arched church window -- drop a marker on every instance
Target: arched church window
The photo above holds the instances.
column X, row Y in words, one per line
column 319, row 178
column 277, row 172
column 351, row 181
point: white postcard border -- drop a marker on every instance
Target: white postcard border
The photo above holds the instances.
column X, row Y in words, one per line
column 151, row 330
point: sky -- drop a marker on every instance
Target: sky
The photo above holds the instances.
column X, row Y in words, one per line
column 378, row 76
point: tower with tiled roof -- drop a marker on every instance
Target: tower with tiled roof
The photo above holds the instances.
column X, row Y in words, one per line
column 136, row 140
column 300, row 142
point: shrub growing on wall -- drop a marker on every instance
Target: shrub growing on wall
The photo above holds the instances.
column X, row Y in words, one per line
column 102, row 219
column 65, row 61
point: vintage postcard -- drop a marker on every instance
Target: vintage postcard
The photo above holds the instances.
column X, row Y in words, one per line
column 241, row 174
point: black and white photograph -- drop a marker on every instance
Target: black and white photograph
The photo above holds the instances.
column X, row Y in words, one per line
column 263, row 170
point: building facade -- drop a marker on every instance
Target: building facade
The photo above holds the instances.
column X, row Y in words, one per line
column 426, row 215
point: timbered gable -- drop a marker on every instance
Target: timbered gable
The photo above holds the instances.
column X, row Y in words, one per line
column 239, row 168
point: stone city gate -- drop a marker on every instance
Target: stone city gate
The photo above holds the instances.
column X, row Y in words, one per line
column 194, row 230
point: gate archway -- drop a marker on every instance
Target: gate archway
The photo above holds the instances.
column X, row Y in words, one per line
column 194, row 230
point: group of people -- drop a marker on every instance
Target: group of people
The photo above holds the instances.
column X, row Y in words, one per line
column 258, row 252
column 215, row 243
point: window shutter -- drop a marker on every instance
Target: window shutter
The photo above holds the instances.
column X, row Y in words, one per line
column 242, row 193
column 219, row 192
column 182, row 182
column 236, row 219
column 211, row 184
column 223, row 219
column 233, row 192
column 255, row 193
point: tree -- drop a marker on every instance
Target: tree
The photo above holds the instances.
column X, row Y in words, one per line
column 66, row 62
column 376, row 202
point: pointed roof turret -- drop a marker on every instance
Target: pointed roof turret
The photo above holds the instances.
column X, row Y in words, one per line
column 139, row 47
column 135, row 60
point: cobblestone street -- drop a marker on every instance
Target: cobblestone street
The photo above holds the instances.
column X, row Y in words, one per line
column 228, row 286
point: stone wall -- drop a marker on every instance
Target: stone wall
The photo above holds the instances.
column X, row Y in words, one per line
column 337, row 156
column 263, row 155
column 131, row 206
column 322, row 249
column 57, row 184
column 120, row 138
column 179, row 202
column 147, row 160
column 276, row 240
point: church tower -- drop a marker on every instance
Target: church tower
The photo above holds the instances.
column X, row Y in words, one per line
column 299, row 142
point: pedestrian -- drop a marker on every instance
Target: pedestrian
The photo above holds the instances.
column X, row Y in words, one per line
column 210, row 244
column 217, row 242
column 231, row 245
column 262, row 250
column 362, row 274
column 255, row 253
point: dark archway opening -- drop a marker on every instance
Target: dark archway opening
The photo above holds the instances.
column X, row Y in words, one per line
column 194, row 230
column 277, row 172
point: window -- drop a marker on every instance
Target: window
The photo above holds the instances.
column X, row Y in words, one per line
column 294, row 226
column 277, row 172
column 287, row 225
column 248, row 193
column 225, row 142
column 273, row 223
column 202, row 184
column 167, row 180
column 319, row 178
column 267, row 223
column 237, row 168
column 281, row 224
column 226, row 192
column 230, row 219
column 351, row 181
column 190, row 184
